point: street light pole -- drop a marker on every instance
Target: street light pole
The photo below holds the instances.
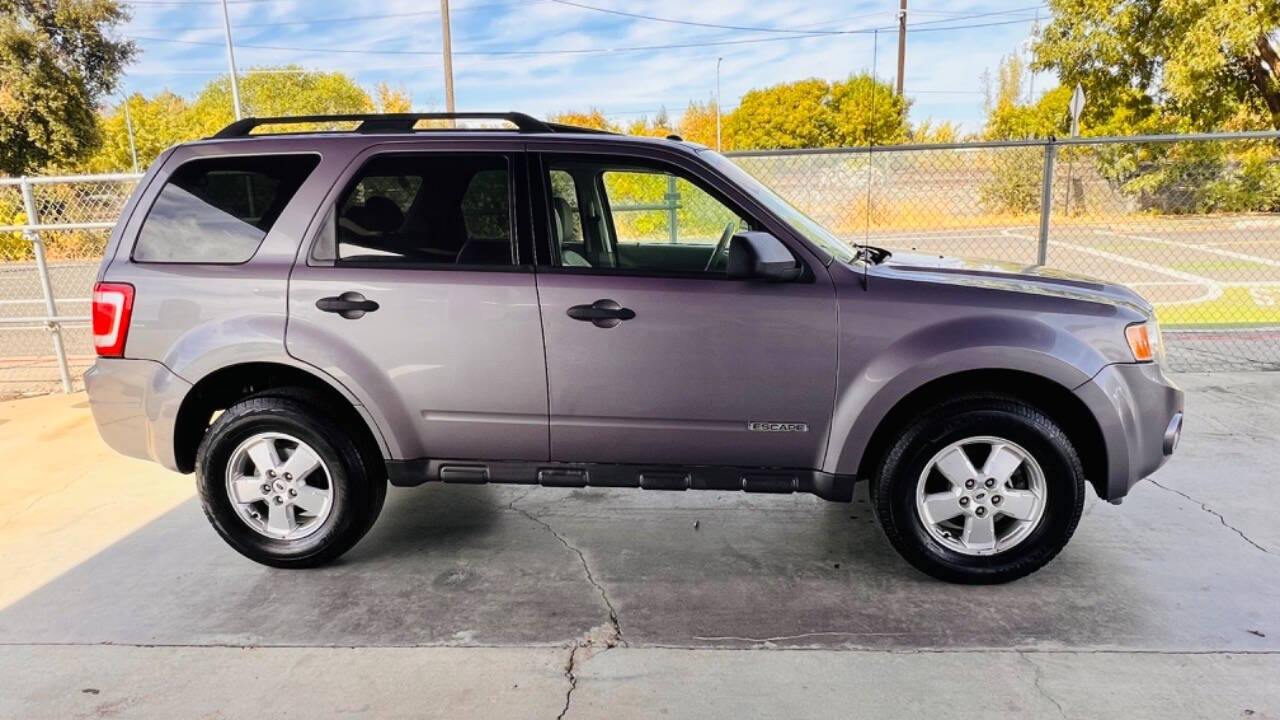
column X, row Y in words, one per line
column 231, row 60
column 718, row 60
column 448, row 56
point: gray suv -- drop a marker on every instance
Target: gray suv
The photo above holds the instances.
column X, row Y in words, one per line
column 299, row 318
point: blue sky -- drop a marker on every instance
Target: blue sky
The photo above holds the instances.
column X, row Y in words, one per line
column 181, row 42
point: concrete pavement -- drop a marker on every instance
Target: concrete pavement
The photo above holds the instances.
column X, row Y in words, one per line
column 631, row 603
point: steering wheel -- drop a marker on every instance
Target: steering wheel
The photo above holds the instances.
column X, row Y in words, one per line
column 723, row 246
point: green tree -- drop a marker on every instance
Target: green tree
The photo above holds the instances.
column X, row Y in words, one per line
column 865, row 110
column 1008, row 118
column 158, row 122
column 56, row 61
column 166, row 118
column 790, row 115
column 815, row 113
column 1207, row 63
column 278, row 91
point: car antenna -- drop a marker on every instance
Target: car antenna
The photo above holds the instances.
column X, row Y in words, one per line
column 871, row 150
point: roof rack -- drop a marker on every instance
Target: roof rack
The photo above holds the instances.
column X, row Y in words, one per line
column 394, row 122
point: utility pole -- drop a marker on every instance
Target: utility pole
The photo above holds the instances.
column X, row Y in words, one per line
column 902, row 43
column 448, row 56
column 718, row 103
column 128, row 124
column 1030, row 45
column 231, row 60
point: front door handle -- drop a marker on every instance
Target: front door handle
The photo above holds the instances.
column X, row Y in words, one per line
column 601, row 313
column 350, row 305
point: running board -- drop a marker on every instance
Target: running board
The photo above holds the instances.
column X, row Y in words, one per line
column 409, row 473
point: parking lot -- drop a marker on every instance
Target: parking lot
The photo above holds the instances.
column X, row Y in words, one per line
column 117, row 598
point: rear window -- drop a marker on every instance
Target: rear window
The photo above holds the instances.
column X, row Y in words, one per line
column 218, row 210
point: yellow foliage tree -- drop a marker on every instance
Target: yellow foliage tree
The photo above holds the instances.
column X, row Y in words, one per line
column 593, row 118
column 388, row 99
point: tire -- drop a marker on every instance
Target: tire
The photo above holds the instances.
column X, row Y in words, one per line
column 346, row 474
column 1044, row 521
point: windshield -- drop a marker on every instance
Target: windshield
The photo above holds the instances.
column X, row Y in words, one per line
column 806, row 225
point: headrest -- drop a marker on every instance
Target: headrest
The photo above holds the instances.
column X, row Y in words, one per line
column 378, row 214
column 563, row 213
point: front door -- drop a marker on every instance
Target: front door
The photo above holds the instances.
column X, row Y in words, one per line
column 414, row 294
column 654, row 355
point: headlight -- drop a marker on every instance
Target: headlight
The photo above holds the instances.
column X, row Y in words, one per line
column 1145, row 342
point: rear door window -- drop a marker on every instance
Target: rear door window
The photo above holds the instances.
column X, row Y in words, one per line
column 424, row 209
column 218, row 210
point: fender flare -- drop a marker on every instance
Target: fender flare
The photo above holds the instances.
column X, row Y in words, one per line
column 205, row 350
column 976, row 344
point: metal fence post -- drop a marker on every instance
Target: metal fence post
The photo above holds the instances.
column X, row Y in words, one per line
column 672, row 201
column 42, row 268
column 1046, row 199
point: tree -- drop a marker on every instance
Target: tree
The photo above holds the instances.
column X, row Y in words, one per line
column 926, row 133
column 592, row 118
column 268, row 92
column 387, row 99
column 814, row 113
column 56, row 62
column 698, row 124
column 158, row 122
column 660, row 127
column 790, row 115
column 166, row 118
column 1008, row 118
column 1207, row 63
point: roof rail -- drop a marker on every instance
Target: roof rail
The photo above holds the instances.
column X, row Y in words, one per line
column 385, row 123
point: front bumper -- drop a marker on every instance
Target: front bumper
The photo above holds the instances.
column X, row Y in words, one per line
column 135, row 406
column 1139, row 411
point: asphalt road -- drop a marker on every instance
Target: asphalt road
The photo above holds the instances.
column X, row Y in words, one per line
column 116, row 597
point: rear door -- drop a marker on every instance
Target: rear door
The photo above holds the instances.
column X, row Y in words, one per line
column 418, row 291
column 708, row 370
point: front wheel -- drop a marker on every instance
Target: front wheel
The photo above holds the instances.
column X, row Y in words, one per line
column 284, row 484
column 982, row 489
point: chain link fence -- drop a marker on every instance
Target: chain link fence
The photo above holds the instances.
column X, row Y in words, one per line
column 1191, row 222
column 53, row 231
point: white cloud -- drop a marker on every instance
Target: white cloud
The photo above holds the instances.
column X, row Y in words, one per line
column 615, row 82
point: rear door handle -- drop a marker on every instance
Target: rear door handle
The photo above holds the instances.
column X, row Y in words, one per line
column 601, row 313
column 350, row 305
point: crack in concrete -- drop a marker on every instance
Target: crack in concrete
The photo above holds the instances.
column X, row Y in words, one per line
column 1215, row 513
column 573, row 681
column 1036, row 677
column 602, row 636
column 586, row 567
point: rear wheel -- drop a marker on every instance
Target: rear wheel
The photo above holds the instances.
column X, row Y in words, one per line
column 982, row 489
column 284, row 483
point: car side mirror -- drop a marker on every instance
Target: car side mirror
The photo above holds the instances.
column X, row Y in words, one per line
column 760, row 256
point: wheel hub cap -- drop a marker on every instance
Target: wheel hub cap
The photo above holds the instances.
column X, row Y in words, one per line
column 279, row 486
column 981, row 496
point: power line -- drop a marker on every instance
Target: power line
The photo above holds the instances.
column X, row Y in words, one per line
column 323, row 21
column 188, row 3
column 675, row 21
column 580, row 51
column 694, row 23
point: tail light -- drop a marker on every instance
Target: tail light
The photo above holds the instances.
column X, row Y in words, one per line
column 112, row 309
